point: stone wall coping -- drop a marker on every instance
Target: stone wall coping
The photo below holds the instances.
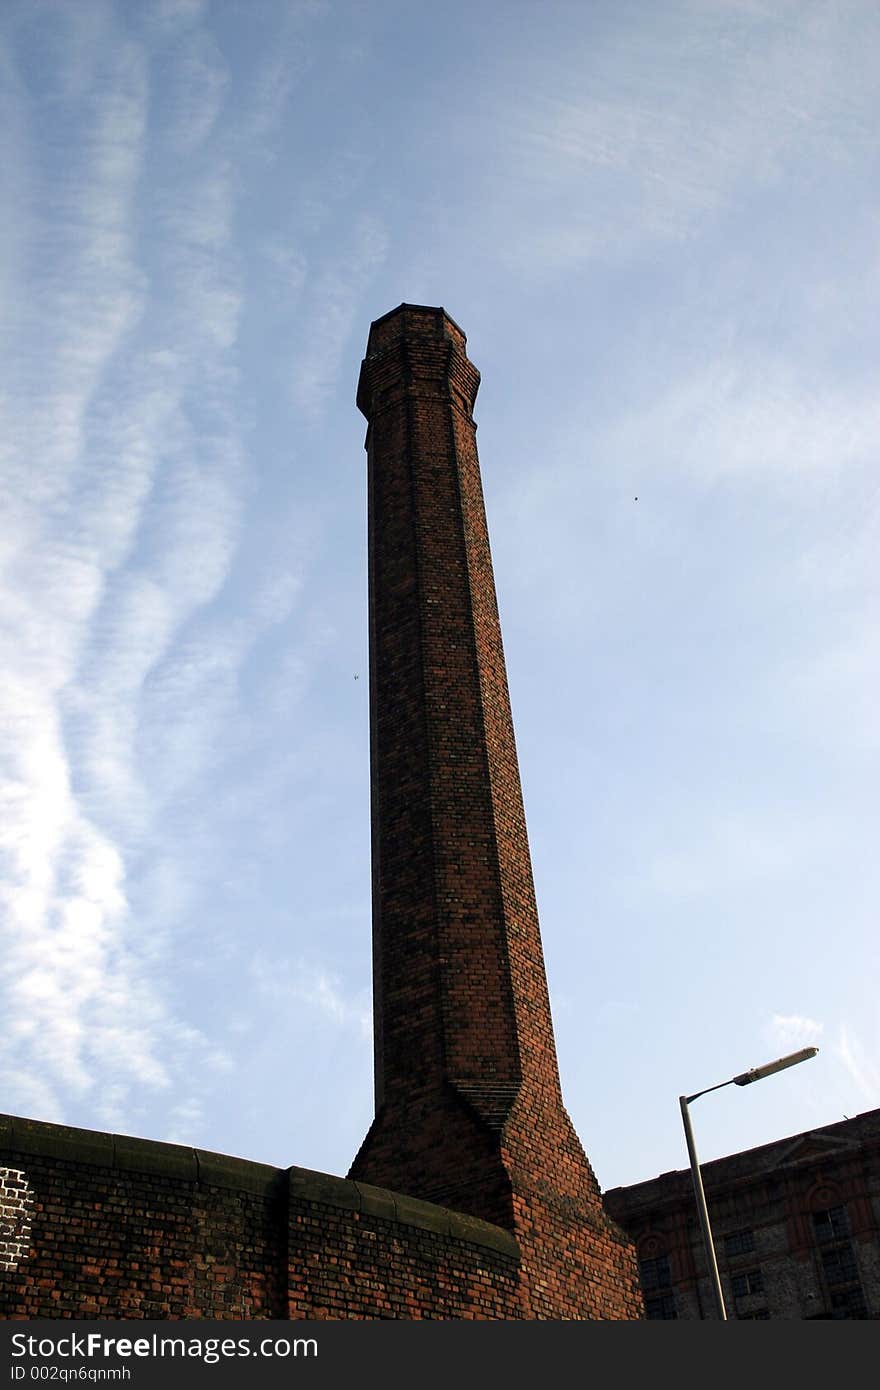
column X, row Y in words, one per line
column 309, row 1186
column 40, row 1139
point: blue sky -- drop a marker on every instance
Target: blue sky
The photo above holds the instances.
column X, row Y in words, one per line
column 659, row 227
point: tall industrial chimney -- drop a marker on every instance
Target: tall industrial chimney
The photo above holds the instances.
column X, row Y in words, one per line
column 469, row 1112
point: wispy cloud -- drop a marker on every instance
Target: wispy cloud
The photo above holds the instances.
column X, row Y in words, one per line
column 751, row 421
column 122, row 469
column 860, row 1074
column 329, row 309
column 726, row 851
column 861, row 1068
column 677, row 113
column 69, row 977
column 174, row 15
column 832, row 685
column 791, row 1031
column 194, row 90
column 317, row 992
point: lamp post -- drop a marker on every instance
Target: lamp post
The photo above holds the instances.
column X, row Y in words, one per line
column 744, row 1079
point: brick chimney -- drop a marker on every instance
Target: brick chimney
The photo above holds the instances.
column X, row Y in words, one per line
column 469, row 1112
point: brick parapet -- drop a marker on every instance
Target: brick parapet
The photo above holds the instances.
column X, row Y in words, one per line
column 123, row 1227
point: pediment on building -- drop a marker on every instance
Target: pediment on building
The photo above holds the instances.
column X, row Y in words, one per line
column 814, row 1147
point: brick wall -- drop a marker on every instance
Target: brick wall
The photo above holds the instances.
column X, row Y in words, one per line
column 127, row 1228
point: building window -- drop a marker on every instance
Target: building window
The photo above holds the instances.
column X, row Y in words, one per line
column 848, row 1303
column 661, row 1306
column 831, row 1224
column 739, row 1243
column 657, row 1284
column 839, row 1264
column 750, row 1281
column 654, row 1273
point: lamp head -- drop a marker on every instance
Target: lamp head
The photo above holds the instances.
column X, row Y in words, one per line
column 758, row 1073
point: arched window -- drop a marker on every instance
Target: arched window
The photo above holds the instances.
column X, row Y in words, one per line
column 656, row 1277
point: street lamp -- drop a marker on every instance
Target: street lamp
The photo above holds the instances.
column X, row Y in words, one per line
column 744, row 1079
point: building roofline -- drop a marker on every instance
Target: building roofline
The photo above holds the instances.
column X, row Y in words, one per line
column 749, row 1163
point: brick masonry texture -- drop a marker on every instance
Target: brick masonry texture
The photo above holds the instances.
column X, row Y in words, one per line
column 16, row 1203
column 469, row 1111
column 128, row 1228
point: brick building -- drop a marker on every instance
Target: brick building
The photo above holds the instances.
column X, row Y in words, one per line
column 471, row 1196
column 796, row 1228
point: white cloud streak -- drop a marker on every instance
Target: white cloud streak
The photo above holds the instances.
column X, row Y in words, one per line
column 330, row 309
column 121, row 470
column 665, row 119
column 863, row 1071
column 861, row 1076
column 751, row 421
column 314, row 991
column 793, row 1031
